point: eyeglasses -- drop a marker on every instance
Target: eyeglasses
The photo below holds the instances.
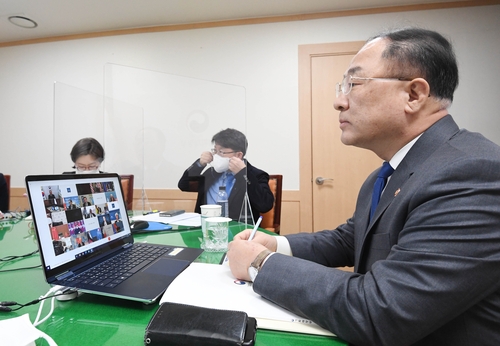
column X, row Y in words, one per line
column 346, row 86
column 220, row 152
column 91, row 167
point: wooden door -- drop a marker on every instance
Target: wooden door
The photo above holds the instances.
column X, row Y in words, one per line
column 322, row 155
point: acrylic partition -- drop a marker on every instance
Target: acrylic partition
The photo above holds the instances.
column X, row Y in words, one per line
column 79, row 113
column 181, row 115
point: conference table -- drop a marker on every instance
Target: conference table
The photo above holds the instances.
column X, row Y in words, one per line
column 98, row 320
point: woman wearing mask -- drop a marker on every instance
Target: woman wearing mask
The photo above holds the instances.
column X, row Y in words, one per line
column 224, row 165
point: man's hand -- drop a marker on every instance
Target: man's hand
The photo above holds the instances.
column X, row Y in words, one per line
column 262, row 238
column 236, row 164
column 206, row 157
column 241, row 253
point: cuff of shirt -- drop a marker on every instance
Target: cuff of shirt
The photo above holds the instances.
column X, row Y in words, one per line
column 283, row 246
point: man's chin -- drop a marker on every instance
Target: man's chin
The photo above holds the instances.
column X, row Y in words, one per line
column 346, row 140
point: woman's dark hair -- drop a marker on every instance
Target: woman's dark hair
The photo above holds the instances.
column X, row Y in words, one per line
column 416, row 52
column 231, row 138
column 87, row 146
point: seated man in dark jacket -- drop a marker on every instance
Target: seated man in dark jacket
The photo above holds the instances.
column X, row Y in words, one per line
column 228, row 168
column 4, row 194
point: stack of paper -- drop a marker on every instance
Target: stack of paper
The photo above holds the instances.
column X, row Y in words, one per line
column 184, row 219
column 213, row 286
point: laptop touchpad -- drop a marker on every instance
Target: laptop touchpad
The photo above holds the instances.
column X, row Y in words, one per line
column 167, row 266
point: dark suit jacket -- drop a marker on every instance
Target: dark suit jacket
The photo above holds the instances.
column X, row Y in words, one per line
column 4, row 194
column 252, row 179
column 427, row 267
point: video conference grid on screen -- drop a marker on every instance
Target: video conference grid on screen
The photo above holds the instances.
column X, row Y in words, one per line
column 81, row 216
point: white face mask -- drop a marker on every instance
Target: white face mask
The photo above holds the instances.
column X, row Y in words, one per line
column 220, row 164
column 87, row 172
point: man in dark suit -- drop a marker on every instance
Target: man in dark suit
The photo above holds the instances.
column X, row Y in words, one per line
column 71, row 205
column 427, row 263
column 51, row 195
column 4, row 194
column 85, row 202
column 225, row 166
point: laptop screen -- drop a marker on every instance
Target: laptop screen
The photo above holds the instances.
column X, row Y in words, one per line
column 78, row 217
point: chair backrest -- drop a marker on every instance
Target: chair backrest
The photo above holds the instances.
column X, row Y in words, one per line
column 7, row 179
column 127, row 181
column 271, row 220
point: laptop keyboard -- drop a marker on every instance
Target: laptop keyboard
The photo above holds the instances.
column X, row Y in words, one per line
column 117, row 269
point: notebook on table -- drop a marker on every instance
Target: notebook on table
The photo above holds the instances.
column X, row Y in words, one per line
column 85, row 239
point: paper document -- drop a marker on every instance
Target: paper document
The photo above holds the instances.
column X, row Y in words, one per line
column 185, row 219
column 213, row 286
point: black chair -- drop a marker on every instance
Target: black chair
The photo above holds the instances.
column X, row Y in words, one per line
column 5, row 194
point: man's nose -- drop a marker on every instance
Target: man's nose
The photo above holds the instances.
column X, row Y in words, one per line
column 340, row 103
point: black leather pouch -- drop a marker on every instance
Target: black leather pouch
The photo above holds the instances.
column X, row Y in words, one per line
column 179, row 324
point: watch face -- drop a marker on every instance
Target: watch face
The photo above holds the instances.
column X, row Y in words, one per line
column 252, row 272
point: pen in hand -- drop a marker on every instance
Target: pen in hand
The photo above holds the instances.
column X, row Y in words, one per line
column 255, row 228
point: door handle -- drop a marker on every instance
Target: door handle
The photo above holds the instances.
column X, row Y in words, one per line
column 321, row 180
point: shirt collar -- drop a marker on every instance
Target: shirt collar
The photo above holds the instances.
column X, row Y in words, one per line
column 400, row 155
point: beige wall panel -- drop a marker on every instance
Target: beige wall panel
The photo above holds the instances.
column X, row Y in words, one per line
column 17, row 199
column 164, row 199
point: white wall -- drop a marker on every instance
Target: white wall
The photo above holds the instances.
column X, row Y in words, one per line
column 261, row 58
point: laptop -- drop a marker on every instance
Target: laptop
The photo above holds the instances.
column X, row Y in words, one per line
column 86, row 242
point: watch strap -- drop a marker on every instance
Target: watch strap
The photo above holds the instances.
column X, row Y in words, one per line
column 259, row 260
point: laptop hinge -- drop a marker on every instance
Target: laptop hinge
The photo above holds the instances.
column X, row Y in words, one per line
column 126, row 246
column 64, row 275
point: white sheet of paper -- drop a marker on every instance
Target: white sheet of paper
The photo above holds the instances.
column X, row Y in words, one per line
column 185, row 219
column 213, row 286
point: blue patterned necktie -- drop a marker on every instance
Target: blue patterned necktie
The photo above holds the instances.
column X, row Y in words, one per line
column 378, row 187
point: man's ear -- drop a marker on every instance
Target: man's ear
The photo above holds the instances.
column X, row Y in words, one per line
column 239, row 155
column 419, row 93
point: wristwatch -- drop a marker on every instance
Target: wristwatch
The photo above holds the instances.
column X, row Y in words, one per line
column 254, row 268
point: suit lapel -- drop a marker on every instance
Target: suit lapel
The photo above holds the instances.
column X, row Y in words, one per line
column 429, row 142
column 398, row 178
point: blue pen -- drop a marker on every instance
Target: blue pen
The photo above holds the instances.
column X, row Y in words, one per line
column 255, row 229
